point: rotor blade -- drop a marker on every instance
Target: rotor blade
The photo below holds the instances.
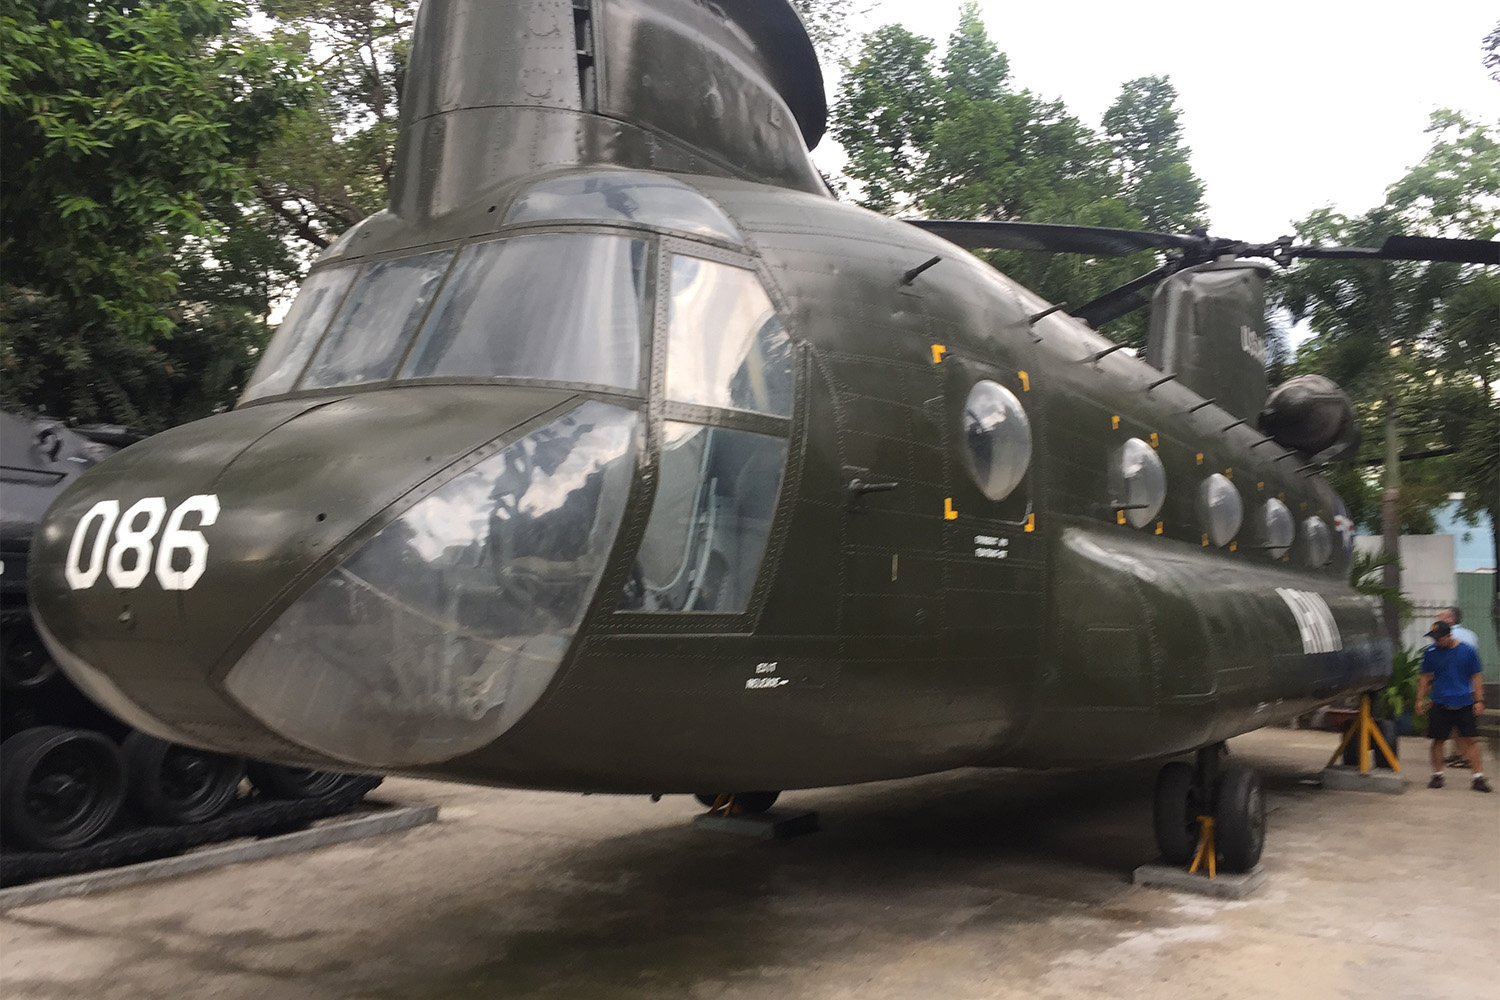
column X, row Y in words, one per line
column 1127, row 298
column 1094, row 240
column 1410, row 248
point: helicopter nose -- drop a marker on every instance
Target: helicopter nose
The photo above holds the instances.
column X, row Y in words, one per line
column 158, row 571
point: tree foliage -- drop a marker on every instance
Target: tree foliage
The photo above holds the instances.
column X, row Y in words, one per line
column 333, row 166
column 952, row 137
column 127, row 130
column 1424, row 335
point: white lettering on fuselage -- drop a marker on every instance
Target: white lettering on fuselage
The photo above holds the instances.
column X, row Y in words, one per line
column 1320, row 633
column 991, row 547
column 136, row 544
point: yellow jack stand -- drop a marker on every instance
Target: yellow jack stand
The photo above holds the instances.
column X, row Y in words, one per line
column 1365, row 729
column 1205, row 847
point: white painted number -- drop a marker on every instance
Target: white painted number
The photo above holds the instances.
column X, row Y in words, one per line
column 132, row 540
column 179, row 539
column 130, row 558
column 105, row 512
column 1319, row 631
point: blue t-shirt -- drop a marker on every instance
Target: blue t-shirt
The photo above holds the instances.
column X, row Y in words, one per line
column 1452, row 673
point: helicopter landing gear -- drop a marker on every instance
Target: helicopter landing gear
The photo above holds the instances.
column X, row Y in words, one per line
column 1231, row 796
column 737, row 803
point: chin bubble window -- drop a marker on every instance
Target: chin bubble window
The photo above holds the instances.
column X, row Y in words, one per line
column 1137, row 483
column 1277, row 529
column 1220, row 510
column 1319, row 542
column 445, row 628
column 709, row 523
column 726, row 347
column 997, row 439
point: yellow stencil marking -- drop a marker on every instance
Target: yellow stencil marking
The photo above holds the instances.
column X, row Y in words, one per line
column 1114, row 422
column 1205, row 538
column 1025, row 381
column 938, row 350
column 1260, row 486
column 1030, row 522
column 1200, row 458
column 1119, row 517
column 1158, row 527
column 949, row 514
column 1234, row 546
column 1154, row 442
column 1228, row 473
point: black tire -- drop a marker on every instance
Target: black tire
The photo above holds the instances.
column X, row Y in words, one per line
column 1388, row 730
column 25, row 664
column 59, row 788
column 1175, row 813
column 1240, row 819
column 745, row 803
column 173, row 785
column 279, row 782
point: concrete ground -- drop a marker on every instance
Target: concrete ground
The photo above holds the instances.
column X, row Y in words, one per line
column 968, row 885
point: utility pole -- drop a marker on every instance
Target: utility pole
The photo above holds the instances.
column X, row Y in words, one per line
column 1390, row 521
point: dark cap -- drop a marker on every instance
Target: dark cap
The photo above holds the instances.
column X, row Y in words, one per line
column 1440, row 630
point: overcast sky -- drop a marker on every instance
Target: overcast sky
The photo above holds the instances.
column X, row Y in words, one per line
column 1286, row 106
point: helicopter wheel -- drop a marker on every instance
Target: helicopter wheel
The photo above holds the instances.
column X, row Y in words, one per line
column 1240, row 819
column 739, row 803
column 173, row 785
column 1177, row 806
column 59, row 788
column 279, row 782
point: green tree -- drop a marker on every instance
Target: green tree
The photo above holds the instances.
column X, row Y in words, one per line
column 953, row 138
column 1150, row 159
column 126, row 130
column 1424, row 335
column 333, row 165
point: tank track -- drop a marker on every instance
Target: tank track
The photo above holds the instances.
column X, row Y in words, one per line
column 252, row 816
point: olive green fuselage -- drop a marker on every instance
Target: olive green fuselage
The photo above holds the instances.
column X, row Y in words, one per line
column 909, row 629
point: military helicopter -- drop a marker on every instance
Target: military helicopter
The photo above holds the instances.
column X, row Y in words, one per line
column 617, row 455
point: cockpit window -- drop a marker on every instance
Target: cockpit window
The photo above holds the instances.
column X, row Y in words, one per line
column 299, row 332
column 709, row 523
column 625, row 196
column 726, row 347
column 370, row 333
column 565, row 306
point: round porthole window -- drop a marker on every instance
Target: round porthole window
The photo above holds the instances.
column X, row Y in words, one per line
column 1319, row 542
column 997, row 439
column 1277, row 528
column 1137, row 482
column 1219, row 509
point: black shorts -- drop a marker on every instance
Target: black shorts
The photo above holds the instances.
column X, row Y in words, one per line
column 1442, row 720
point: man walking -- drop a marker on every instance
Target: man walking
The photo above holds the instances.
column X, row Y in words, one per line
column 1452, row 615
column 1450, row 671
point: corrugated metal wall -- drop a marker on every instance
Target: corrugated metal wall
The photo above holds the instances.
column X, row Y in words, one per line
column 1475, row 593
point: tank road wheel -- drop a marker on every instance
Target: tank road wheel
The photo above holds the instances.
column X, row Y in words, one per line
column 173, row 785
column 1240, row 819
column 279, row 782
column 59, row 788
column 1176, row 812
column 25, row 664
column 742, row 804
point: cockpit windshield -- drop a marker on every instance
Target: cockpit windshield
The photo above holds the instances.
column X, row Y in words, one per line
column 565, row 307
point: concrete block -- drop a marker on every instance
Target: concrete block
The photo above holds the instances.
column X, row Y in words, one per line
column 368, row 820
column 1226, row 885
column 1340, row 778
column 773, row 824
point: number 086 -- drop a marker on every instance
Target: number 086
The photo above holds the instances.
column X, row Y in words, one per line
column 133, row 554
